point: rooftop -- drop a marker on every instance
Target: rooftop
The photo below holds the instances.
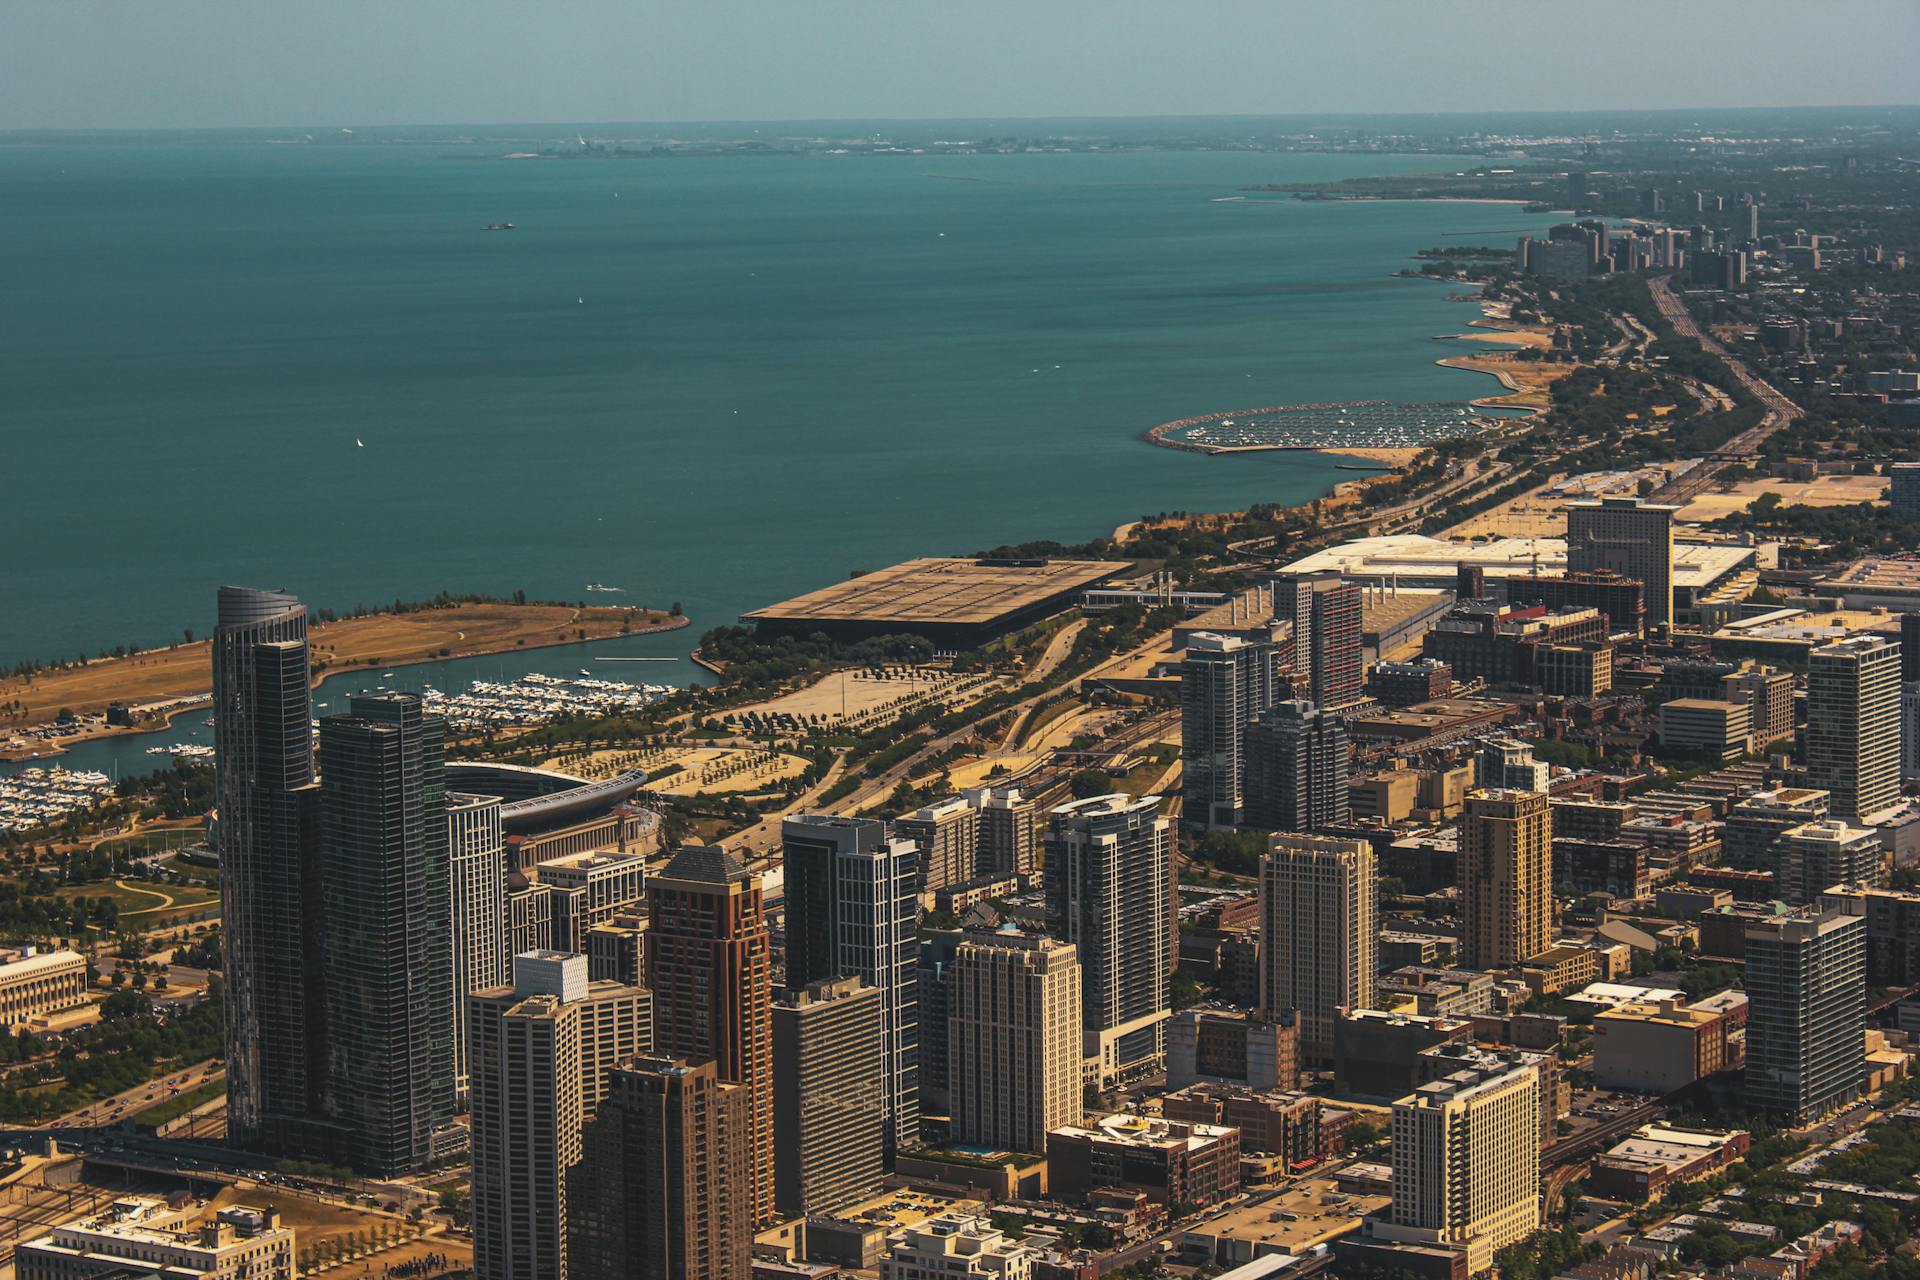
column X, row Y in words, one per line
column 951, row 592
column 1420, row 558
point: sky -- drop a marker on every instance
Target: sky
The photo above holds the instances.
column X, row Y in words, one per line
column 226, row 63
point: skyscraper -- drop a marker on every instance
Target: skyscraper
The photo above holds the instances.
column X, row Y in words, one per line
column 1506, row 878
column 1296, row 769
column 1107, row 892
column 1631, row 538
column 1326, row 612
column 829, row 1118
column 1466, row 1161
column 539, row 1053
column 1014, row 1040
column 1806, row 1013
column 852, row 911
column 1853, row 724
column 476, row 858
column 1319, row 932
column 1225, row 681
column 710, row 968
column 664, row 1186
column 269, row 866
column 1910, row 695
column 388, row 966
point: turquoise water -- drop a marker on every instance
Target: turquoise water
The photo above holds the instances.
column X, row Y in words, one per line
column 718, row 381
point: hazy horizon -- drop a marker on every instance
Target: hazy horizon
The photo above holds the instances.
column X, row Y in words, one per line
column 102, row 64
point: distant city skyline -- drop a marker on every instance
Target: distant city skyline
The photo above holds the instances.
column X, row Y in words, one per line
column 219, row 64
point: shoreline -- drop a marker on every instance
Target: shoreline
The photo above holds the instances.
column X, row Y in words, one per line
column 200, row 701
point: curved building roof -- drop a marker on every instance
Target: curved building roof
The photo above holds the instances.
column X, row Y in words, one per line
column 535, row 799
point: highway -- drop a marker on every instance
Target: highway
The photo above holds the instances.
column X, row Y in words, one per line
column 121, row 1106
column 1779, row 410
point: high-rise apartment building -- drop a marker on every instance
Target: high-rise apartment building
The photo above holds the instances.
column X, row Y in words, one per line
column 1853, row 724
column 1505, row 877
column 538, row 1054
column 1319, row 932
column 1327, row 615
column 948, row 835
column 852, row 912
column 829, row 1114
column 1507, row 764
column 585, row 890
column 1816, row 856
column 1466, row 1161
column 1009, row 831
column 269, row 866
column 388, row 955
column 1013, row 1037
column 1806, row 984
column 1225, row 682
column 1297, row 763
column 1108, row 887
column 710, row 966
column 1910, row 695
column 476, row 860
column 664, row 1186
column 1631, row 538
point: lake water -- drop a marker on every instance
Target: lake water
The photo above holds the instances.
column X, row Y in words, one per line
column 719, row 381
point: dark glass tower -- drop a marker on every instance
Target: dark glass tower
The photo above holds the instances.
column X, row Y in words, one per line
column 265, row 791
column 389, row 938
column 1296, row 769
column 852, row 912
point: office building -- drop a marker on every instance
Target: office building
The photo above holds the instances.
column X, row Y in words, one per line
column 1377, row 1054
column 1628, row 537
column 1108, row 892
column 664, row 1186
column 1466, row 1161
column 852, row 911
column 1009, row 840
column 1168, row 1161
column 1506, row 878
column 1234, row 1046
column 1013, row 1040
column 1853, row 724
column 585, row 890
column 955, row 1246
column 1225, row 682
column 539, row 1052
column 1296, row 769
column 265, row 790
column 136, row 1236
column 1319, row 932
column 1406, row 684
column 476, row 862
column 1620, row 599
column 829, row 1095
column 1806, row 1024
column 388, row 956
column 709, row 963
column 1507, row 764
column 933, row 978
column 1573, row 670
column 1706, row 728
column 1816, row 856
column 948, row 835
column 1271, row 1122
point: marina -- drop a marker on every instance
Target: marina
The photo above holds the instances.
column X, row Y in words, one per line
column 41, row 797
column 537, row 698
column 1382, row 424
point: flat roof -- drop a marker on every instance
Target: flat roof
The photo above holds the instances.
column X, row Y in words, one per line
column 936, row 591
column 1696, row 565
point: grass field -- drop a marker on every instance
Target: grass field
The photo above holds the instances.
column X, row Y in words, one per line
column 145, row 902
column 381, row 640
column 179, row 1104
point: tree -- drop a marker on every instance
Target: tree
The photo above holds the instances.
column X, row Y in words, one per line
column 124, row 1003
column 1091, row 782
